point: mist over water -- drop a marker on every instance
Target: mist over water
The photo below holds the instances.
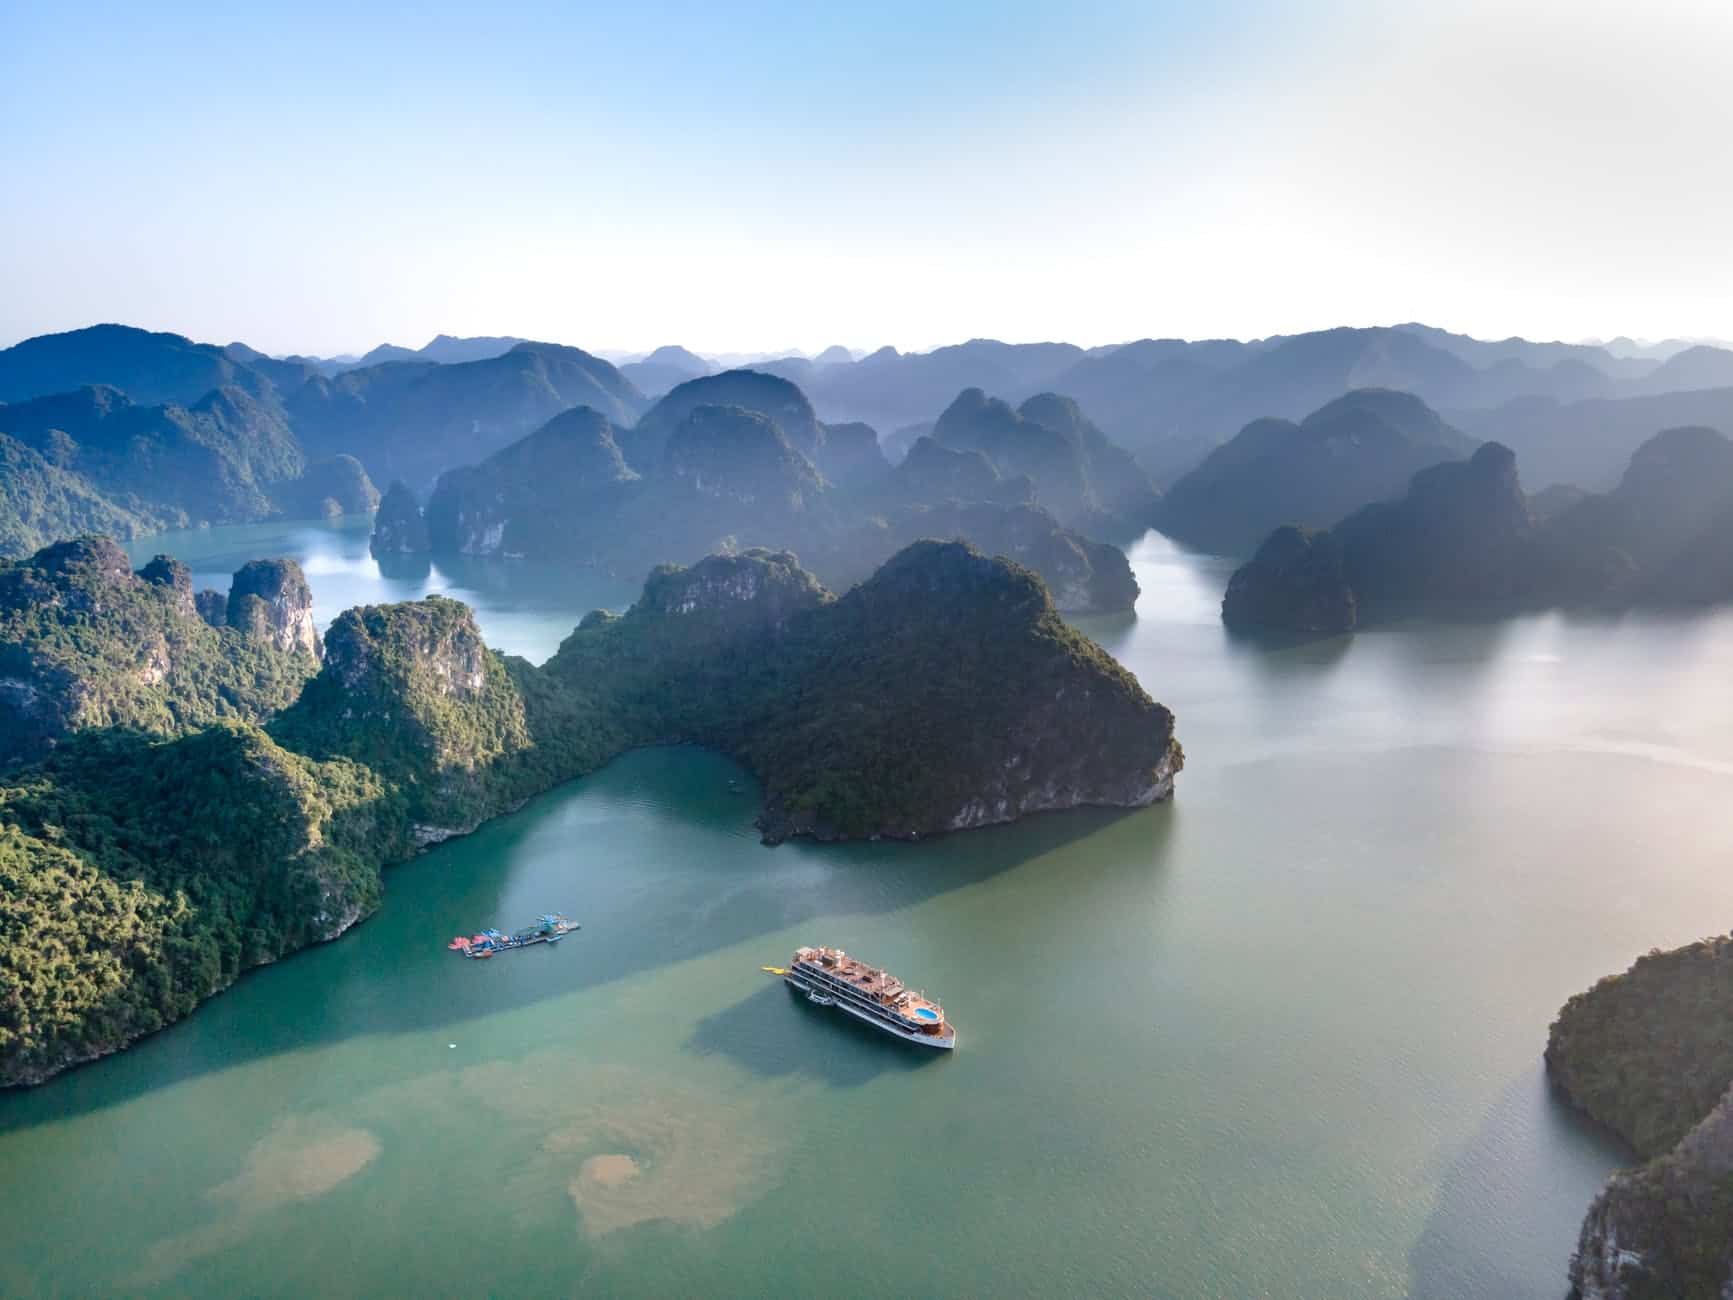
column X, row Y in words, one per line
column 524, row 609
column 1279, row 1037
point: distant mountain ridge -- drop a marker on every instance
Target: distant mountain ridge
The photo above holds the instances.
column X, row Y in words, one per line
column 1171, row 400
column 1362, row 447
column 149, row 368
column 444, row 349
column 1588, row 443
column 1574, row 412
column 738, row 459
column 452, row 413
column 667, row 368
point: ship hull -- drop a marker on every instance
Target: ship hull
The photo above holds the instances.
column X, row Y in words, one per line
column 943, row 1042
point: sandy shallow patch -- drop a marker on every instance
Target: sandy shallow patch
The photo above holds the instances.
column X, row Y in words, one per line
column 300, row 1158
column 607, row 1171
column 697, row 1154
column 605, row 1147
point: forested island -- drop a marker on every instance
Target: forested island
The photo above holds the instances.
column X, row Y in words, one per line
column 192, row 785
column 1647, row 1054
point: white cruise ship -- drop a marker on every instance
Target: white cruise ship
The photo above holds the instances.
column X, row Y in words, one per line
column 831, row 978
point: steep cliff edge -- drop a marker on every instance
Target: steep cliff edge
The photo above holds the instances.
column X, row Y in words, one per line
column 398, row 528
column 271, row 603
column 86, row 643
column 410, row 691
column 1647, row 1054
column 1061, row 726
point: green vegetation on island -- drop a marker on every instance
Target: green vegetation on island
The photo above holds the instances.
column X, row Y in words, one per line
column 184, row 801
column 1647, row 1054
column 86, row 644
column 41, row 503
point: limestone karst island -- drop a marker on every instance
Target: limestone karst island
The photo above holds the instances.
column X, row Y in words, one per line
column 748, row 650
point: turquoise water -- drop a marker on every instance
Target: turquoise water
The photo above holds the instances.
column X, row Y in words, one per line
column 1279, row 1038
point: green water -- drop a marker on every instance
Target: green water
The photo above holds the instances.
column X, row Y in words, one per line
column 1280, row 1038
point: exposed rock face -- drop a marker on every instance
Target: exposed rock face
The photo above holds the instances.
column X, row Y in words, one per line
column 86, row 643
column 410, row 690
column 1646, row 1054
column 1665, row 1229
column 942, row 694
column 767, row 586
column 398, row 528
column 1061, row 726
column 394, row 651
column 270, row 601
column 1294, row 584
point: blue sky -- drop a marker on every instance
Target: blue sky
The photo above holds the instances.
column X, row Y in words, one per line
column 736, row 176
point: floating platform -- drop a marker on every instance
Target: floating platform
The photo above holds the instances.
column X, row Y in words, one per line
column 550, row 928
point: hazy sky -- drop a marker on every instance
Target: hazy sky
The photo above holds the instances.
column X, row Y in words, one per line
column 322, row 177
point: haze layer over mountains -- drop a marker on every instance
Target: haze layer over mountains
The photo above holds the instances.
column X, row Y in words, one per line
column 1048, row 452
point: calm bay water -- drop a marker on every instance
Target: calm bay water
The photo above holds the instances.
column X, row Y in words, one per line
column 524, row 609
column 1279, row 1038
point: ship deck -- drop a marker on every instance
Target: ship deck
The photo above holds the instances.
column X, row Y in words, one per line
column 879, row 985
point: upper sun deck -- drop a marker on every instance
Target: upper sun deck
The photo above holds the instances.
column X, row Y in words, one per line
column 878, row 985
